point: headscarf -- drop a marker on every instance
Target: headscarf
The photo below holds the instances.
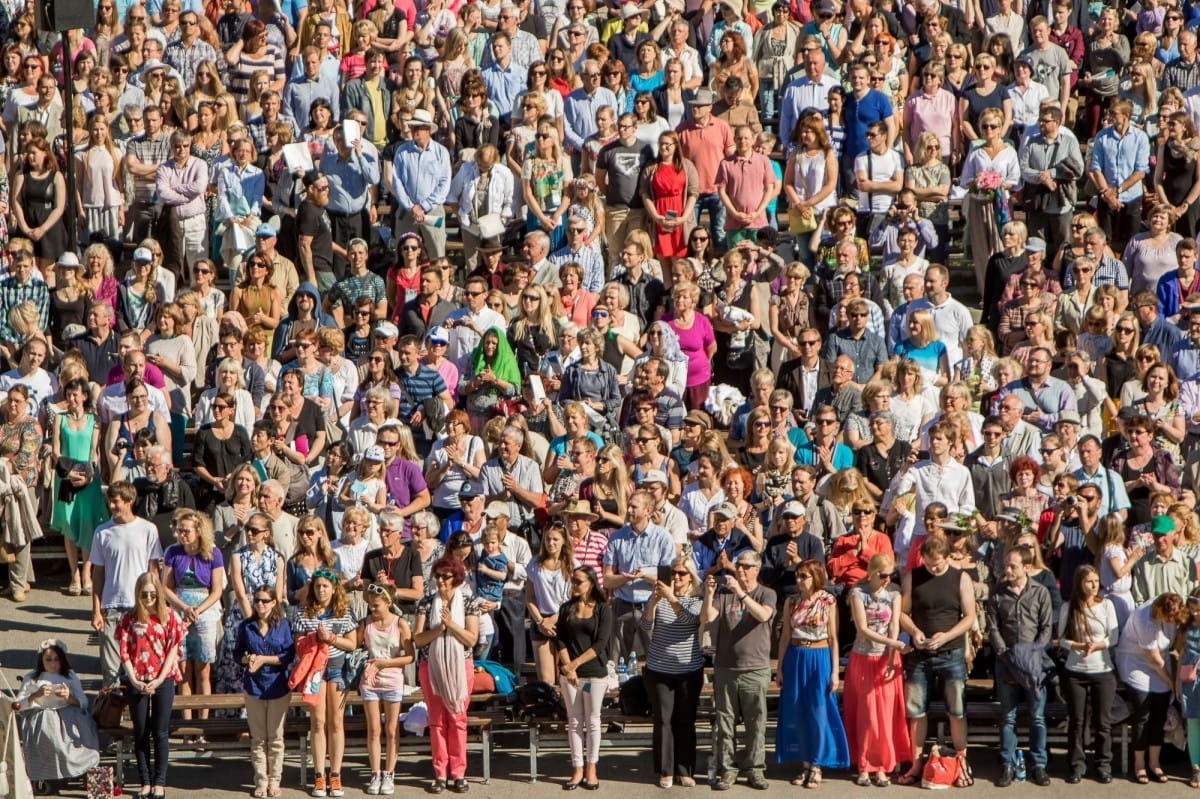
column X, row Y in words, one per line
column 504, row 366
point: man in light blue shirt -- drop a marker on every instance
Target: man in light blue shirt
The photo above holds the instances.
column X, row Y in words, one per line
column 581, row 105
column 631, row 563
column 505, row 81
column 298, row 95
column 811, row 90
column 1120, row 161
column 352, row 171
column 1113, row 496
column 421, row 184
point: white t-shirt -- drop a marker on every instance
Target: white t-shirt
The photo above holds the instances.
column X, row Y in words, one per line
column 878, row 168
column 125, row 551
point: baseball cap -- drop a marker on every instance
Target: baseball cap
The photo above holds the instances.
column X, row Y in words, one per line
column 373, row 453
column 725, row 510
column 656, row 476
column 438, row 335
column 793, row 509
column 143, row 254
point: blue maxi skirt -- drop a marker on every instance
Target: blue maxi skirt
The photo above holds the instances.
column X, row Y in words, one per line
column 810, row 728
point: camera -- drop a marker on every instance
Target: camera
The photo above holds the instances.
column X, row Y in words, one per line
column 1071, row 501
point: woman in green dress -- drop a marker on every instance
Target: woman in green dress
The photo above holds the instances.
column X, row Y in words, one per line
column 78, row 503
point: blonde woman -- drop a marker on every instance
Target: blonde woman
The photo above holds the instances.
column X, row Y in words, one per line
column 994, row 155
column 544, row 178
column 98, row 193
column 608, row 492
column 924, row 347
column 977, row 370
column 929, row 179
column 789, row 315
column 534, row 332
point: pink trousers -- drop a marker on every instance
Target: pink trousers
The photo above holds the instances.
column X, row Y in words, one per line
column 447, row 731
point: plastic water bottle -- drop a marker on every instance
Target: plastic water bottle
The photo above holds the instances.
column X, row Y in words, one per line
column 622, row 671
column 1020, row 766
column 633, row 664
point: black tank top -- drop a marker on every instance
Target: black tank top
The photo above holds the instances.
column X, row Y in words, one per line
column 936, row 604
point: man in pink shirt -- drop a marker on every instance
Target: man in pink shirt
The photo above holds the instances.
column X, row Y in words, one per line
column 745, row 183
column 181, row 182
column 705, row 140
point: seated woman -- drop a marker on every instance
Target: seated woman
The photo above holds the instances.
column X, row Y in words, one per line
column 57, row 733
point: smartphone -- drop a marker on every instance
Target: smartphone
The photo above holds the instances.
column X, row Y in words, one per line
column 672, row 215
column 665, row 574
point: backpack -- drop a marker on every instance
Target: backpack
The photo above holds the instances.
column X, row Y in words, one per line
column 634, row 698
column 539, row 701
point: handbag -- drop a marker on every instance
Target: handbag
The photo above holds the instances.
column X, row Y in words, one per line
column 801, row 220
column 941, row 771
column 109, row 708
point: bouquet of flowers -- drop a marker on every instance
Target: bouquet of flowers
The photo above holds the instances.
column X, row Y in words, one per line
column 987, row 184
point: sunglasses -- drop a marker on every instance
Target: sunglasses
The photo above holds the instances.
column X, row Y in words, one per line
column 259, row 600
column 377, row 590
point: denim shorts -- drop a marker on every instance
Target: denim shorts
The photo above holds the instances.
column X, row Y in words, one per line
column 334, row 675
column 920, row 668
column 387, row 695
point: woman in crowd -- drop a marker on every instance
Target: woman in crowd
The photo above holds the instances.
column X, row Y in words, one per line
column 39, row 199
column 21, row 436
column 219, row 447
column 78, row 502
column 789, row 315
column 674, row 672
column 58, row 735
column 493, row 375
column 696, row 340
column 547, row 587
column 150, row 642
column 446, row 631
column 194, row 579
column 253, row 566
column 313, row 552
column 584, row 634
column 809, row 728
column 453, row 460
column 592, row 381
column 544, row 178
column 1088, row 632
column 534, row 331
column 1161, row 406
column 388, row 641
column 1144, row 468
column 1177, row 172
column 1151, row 254
column 876, row 727
column 323, row 613
column 265, row 648
column 669, row 189
column 175, row 357
column 995, row 155
column 1141, row 660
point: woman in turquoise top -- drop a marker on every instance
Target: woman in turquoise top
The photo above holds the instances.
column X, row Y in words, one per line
column 923, row 346
column 78, row 503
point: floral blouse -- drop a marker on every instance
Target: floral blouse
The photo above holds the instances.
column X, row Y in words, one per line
column 147, row 645
column 809, row 620
column 878, row 609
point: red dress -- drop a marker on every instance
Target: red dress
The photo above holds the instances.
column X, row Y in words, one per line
column 668, row 186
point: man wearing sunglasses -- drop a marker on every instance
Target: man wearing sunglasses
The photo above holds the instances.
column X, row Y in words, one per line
column 468, row 324
column 865, row 349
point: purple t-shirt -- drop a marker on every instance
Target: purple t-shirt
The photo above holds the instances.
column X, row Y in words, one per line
column 190, row 571
column 693, row 342
column 404, row 481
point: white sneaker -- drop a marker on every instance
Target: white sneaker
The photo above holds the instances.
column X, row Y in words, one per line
column 387, row 786
column 373, row 785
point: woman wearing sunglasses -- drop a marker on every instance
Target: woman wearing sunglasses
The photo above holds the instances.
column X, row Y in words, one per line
column 388, row 641
column 446, row 629
column 265, row 647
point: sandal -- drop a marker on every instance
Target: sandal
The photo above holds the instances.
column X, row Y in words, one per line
column 1194, row 782
column 1159, row 776
column 912, row 777
column 1140, row 777
column 965, row 776
column 87, row 588
column 666, row 782
column 74, row 590
column 260, row 792
column 814, row 778
column 273, row 789
column 881, row 780
column 802, row 777
column 863, row 780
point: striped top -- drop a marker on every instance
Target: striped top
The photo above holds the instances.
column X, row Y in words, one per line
column 674, row 639
column 589, row 551
column 239, row 75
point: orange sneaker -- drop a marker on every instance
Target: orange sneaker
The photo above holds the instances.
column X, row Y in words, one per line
column 335, row 784
column 318, row 789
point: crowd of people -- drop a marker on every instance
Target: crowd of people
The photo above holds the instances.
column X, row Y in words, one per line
column 564, row 336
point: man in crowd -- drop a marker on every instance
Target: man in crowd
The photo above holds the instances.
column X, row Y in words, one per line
column 618, row 169
column 421, row 183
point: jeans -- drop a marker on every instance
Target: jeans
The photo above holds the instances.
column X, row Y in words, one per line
column 741, row 692
column 716, row 217
column 151, row 715
column 675, row 699
column 1100, row 688
column 919, row 670
column 1010, row 694
column 583, row 703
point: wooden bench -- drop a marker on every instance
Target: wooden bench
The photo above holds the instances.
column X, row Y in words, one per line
column 224, row 734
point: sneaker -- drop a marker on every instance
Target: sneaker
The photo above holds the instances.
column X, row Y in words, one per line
column 373, row 786
column 387, row 785
column 318, row 789
column 758, row 783
column 335, row 784
column 724, row 783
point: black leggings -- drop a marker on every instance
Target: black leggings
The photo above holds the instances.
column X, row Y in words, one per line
column 1101, row 687
column 151, row 719
column 675, row 699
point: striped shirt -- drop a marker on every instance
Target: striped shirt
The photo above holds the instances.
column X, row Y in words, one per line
column 425, row 384
column 12, row 294
column 239, row 74
column 674, row 638
column 590, row 552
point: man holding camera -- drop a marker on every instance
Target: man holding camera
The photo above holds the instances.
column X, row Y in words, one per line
column 743, row 610
column 903, row 216
column 1075, row 521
